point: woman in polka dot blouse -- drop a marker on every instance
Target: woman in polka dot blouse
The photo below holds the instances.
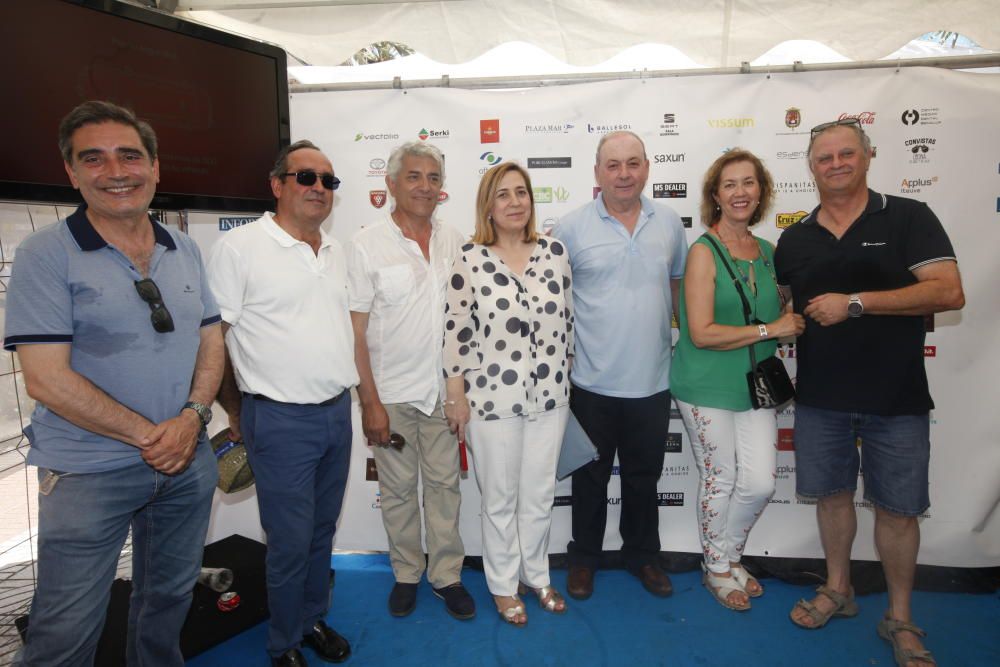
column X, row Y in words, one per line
column 508, row 347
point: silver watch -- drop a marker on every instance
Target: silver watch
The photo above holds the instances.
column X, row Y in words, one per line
column 204, row 412
column 854, row 307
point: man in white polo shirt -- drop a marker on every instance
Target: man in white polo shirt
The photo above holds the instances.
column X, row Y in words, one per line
column 398, row 272
column 281, row 283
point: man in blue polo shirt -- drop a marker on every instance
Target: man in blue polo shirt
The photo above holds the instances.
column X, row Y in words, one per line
column 627, row 255
column 864, row 269
column 119, row 340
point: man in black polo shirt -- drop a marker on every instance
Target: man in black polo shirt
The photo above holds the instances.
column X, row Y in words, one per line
column 864, row 268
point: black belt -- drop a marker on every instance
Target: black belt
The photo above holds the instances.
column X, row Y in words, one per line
column 268, row 399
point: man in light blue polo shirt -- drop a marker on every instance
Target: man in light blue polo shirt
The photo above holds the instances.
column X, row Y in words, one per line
column 627, row 256
column 119, row 340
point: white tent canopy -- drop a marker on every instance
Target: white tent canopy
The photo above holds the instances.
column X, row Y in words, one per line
column 711, row 33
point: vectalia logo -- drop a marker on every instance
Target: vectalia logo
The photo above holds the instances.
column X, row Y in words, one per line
column 490, row 158
column 361, row 136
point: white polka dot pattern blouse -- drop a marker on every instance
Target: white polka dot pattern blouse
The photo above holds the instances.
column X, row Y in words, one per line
column 510, row 336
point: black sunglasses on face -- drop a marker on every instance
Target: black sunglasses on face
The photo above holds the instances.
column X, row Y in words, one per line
column 308, row 179
column 826, row 126
column 159, row 315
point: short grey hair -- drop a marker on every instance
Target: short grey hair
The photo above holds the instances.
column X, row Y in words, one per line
column 280, row 167
column 413, row 149
column 866, row 141
column 615, row 135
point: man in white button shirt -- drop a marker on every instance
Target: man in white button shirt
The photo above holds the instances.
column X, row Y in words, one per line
column 281, row 284
column 398, row 272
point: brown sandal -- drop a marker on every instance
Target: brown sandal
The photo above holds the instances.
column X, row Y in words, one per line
column 887, row 629
column 846, row 608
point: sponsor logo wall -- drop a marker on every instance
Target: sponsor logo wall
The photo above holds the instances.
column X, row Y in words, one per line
column 938, row 142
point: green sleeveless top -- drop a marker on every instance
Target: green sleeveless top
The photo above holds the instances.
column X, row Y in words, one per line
column 717, row 378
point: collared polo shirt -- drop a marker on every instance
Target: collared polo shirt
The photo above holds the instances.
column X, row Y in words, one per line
column 621, row 296
column 874, row 363
column 69, row 286
column 404, row 295
column 290, row 335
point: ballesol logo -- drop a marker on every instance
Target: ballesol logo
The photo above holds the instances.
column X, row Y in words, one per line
column 660, row 158
column 786, row 220
column 914, row 185
column 225, row 224
column 930, row 350
column 377, row 198
column 604, row 128
column 489, row 131
column 669, row 190
column 378, row 136
column 719, row 123
column 670, row 499
column 865, row 117
column 786, row 440
column 426, row 134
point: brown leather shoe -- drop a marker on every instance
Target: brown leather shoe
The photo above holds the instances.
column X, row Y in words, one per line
column 654, row 580
column 580, row 582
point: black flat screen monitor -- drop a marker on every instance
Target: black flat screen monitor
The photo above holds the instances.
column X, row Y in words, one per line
column 218, row 102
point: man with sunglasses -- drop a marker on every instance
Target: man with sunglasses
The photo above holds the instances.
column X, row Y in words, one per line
column 281, row 284
column 865, row 269
column 399, row 271
column 118, row 338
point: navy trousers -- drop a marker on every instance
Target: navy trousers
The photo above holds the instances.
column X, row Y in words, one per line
column 300, row 455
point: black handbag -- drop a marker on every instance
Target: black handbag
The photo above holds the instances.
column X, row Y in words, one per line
column 767, row 381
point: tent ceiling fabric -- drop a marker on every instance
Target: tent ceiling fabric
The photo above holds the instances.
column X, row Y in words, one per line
column 714, row 33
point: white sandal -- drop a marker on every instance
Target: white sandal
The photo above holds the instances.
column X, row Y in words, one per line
column 743, row 577
column 722, row 587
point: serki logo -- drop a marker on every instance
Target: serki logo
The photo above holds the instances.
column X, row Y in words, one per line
column 423, row 134
column 489, row 131
column 930, row 350
column 377, row 198
column 786, row 440
column 793, row 117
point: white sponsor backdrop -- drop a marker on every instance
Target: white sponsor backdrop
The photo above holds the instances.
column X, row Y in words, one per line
column 686, row 123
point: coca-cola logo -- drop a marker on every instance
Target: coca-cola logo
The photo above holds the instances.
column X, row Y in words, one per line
column 865, row 117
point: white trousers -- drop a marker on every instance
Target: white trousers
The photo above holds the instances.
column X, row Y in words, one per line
column 736, row 454
column 515, row 463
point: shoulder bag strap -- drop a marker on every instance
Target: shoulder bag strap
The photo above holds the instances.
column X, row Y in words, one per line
column 739, row 290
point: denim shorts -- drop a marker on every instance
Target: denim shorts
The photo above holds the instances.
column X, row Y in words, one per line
column 893, row 454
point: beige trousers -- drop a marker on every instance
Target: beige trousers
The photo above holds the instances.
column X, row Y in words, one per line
column 431, row 451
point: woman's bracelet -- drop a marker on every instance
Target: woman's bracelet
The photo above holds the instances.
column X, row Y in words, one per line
column 762, row 328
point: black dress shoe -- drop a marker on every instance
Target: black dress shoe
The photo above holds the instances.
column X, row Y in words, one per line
column 580, row 582
column 457, row 601
column 292, row 658
column 654, row 580
column 329, row 646
column 403, row 599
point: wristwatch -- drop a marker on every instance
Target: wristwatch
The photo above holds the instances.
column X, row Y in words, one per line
column 204, row 412
column 854, row 307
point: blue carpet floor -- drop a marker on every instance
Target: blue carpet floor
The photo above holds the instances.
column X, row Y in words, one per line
column 623, row 625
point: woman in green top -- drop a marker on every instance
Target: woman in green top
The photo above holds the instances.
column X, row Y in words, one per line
column 733, row 444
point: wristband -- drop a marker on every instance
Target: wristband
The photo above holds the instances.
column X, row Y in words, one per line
column 762, row 328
